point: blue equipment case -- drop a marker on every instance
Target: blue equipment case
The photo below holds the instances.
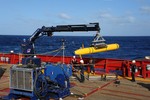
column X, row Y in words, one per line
column 51, row 81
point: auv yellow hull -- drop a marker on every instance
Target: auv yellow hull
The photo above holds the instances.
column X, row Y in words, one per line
column 91, row 50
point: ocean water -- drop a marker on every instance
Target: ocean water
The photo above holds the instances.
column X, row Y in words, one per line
column 131, row 47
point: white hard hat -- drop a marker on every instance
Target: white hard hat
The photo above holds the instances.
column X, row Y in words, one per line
column 133, row 61
column 147, row 57
column 74, row 56
column 11, row 51
column 81, row 61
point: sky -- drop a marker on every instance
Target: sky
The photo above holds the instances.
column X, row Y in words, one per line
column 116, row 17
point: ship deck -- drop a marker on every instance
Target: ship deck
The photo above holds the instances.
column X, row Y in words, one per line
column 97, row 89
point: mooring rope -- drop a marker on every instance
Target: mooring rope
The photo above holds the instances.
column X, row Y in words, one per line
column 51, row 51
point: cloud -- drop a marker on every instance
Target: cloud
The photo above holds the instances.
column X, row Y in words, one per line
column 64, row 16
column 105, row 15
column 121, row 20
column 145, row 9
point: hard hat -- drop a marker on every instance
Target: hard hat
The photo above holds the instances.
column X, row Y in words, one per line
column 81, row 61
column 74, row 56
column 147, row 57
column 11, row 51
column 133, row 61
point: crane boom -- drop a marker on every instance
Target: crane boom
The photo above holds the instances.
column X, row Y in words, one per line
column 28, row 46
column 64, row 28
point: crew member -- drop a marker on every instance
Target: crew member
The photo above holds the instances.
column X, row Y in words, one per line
column 133, row 68
column 91, row 63
column 23, row 45
column 74, row 63
column 27, row 48
column 74, row 60
column 82, row 71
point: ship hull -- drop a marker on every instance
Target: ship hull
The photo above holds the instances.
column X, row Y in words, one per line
column 108, row 64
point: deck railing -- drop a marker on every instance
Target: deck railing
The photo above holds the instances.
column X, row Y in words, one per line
column 109, row 65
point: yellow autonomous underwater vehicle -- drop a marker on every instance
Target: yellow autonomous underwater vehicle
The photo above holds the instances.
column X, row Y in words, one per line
column 98, row 45
column 91, row 50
